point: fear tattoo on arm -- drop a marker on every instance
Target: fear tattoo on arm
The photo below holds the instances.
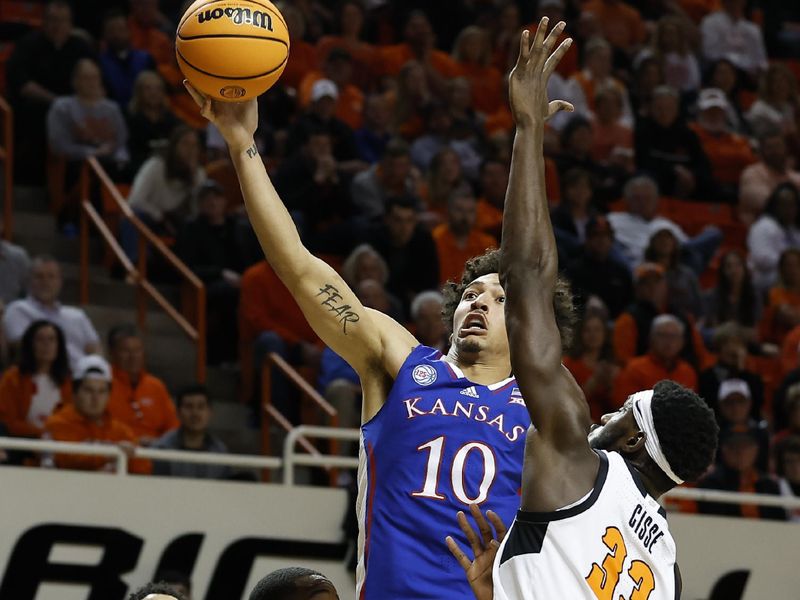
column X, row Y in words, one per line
column 332, row 301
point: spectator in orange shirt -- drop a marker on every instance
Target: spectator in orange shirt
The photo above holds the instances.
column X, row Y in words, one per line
column 350, row 29
column 728, row 152
column 734, row 298
column 87, row 420
column 138, row 399
column 410, row 101
column 303, row 56
column 592, row 364
column 597, row 72
column 38, row 384
column 612, row 143
column 146, row 33
column 662, row 361
column 338, row 67
column 783, row 303
column 621, row 24
column 493, row 182
column 444, row 177
column 472, row 51
column 760, row 179
column 458, row 240
column 671, row 45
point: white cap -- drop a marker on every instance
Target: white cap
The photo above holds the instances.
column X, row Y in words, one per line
column 733, row 386
column 92, row 366
column 322, row 88
column 712, row 98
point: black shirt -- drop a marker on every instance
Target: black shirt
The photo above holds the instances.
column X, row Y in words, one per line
column 607, row 279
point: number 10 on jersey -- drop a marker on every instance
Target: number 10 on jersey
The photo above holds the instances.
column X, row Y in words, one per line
column 435, row 449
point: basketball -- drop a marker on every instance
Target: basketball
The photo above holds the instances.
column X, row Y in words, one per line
column 232, row 50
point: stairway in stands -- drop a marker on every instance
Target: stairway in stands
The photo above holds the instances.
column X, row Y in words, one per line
column 169, row 352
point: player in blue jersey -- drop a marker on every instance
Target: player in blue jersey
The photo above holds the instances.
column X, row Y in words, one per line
column 439, row 432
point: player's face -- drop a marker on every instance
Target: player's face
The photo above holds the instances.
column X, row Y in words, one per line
column 314, row 587
column 479, row 321
column 614, row 429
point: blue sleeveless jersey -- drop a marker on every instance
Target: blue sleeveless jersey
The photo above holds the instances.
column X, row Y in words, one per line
column 438, row 444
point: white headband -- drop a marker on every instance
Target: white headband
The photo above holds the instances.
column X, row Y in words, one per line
column 643, row 413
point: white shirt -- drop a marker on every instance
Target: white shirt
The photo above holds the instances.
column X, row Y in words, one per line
column 738, row 41
column 153, row 194
column 634, row 233
column 766, row 241
column 78, row 329
column 44, row 401
column 571, row 91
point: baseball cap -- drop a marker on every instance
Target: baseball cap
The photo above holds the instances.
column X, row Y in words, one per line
column 647, row 269
column 322, row 88
column 712, row 98
column 733, row 386
column 92, row 366
column 599, row 224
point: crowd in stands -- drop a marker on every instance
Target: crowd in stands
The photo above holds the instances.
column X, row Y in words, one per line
column 674, row 189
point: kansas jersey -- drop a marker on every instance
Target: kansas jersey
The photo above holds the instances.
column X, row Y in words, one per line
column 614, row 544
column 438, row 444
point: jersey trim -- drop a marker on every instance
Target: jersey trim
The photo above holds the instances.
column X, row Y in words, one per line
column 558, row 515
column 637, row 479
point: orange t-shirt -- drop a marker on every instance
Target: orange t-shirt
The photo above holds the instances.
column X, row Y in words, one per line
column 643, row 372
column 16, row 393
column 487, row 86
column 302, row 59
column 147, row 409
column 589, row 86
column 392, row 58
column 266, row 305
column 364, row 56
column 68, row 425
column 770, row 328
column 622, row 25
column 729, row 154
column 789, row 350
column 607, row 137
column 600, row 400
column 489, row 218
column 626, row 335
column 452, row 257
column 349, row 105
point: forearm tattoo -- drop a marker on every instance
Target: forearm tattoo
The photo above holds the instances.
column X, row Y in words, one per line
column 252, row 151
column 332, row 301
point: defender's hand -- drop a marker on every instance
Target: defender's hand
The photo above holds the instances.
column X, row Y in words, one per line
column 527, row 89
column 479, row 570
column 236, row 121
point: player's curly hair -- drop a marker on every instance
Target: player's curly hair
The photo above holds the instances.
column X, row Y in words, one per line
column 279, row 584
column 489, row 262
column 686, row 427
column 156, row 588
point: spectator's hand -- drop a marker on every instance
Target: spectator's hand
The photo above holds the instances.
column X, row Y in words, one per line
column 231, row 277
column 479, row 570
column 527, row 87
column 236, row 121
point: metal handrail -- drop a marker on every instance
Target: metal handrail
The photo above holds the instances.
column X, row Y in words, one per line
column 7, row 156
column 138, row 274
column 84, row 448
column 290, row 459
column 701, row 495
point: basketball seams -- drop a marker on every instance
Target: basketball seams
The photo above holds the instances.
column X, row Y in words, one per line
column 271, row 9
column 236, row 36
column 228, row 77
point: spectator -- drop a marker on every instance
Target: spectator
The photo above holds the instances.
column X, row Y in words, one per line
column 597, row 273
column 775, row 231
column 373, row 137
column 682, row 285
column 365, row 263
column 555, row 11
column 138, row 399
column 734, row 410
column 597, row 73
column 612, row 140
column 458, row 240
column 164, row 191
column 440, row 135
column 150, row 119
column 39, row 70
column 493, row 185
column 620, row 23
column 303, row 57
column 393, row 176
column 15, row 267
column 734, row 298
column 668, row 149
column 338, row 68
column 778, row 103
column 444, row 177
column 726, row 33
column 39, row 383
column 194, row 414
column 648, row 76
column 758, row 181
column 121, row 63
column 419, row 44
column 472, row 52
column 426, row 316
column 211, row 247
column 592, row 364
column 42, row 304
column 785, row 403
column 783, row 302
column 791, row 409
column 467, row 131
column 737, row 472
column 87, row 419
column 571, row 217
column 671, row 46
column 634, row 228
column 787, row 458
column 728, row 152
column 271, row 321
column 350, row 38
column 147, row 28
column 662, row 361
column 412, row 98
column 408, row 249
column 722, row 75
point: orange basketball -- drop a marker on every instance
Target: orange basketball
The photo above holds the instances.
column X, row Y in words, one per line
column 232, row 50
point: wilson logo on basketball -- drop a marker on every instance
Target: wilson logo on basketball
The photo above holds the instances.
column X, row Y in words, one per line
column 239, row 16
column 232, row 92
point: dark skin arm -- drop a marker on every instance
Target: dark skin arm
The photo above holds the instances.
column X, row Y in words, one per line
column 559, row 466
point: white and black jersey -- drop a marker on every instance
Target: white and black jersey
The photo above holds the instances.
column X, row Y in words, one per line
column 614, row 544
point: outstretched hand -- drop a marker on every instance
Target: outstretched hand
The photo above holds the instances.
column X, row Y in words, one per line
column 236, row 121
column 484, row 550
column 527, row 89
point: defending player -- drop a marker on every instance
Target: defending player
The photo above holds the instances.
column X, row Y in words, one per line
column 439, row 432
column 589, row 525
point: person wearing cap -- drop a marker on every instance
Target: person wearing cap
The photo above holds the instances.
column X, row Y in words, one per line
column 729, row 152
column 737, row 471
column 212, row 246
column 662, row 361
column 338, row 68
column 87, row 419
column 734, row 409
column 597, row 272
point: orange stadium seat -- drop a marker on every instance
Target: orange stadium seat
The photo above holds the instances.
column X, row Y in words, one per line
column 25, row 13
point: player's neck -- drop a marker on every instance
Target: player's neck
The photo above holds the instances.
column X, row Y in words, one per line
column 479, row 370
column 655, row 482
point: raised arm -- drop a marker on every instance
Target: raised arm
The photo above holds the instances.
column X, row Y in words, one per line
column 529, row 263
column 370, row 342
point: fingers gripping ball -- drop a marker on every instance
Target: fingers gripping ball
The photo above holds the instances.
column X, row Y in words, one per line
column 232, row 50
